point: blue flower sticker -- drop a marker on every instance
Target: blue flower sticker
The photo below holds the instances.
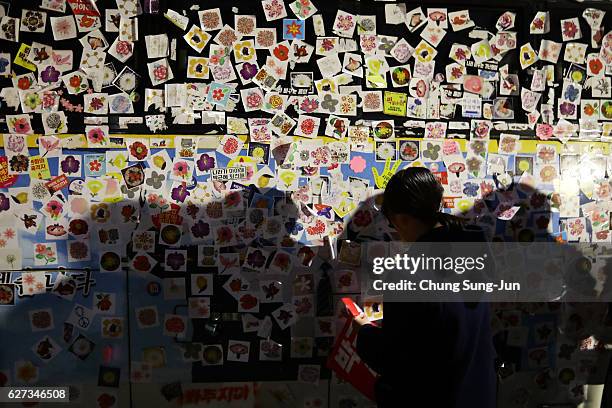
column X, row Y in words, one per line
column 470, row 189
column 571, row 93
column 293, row 227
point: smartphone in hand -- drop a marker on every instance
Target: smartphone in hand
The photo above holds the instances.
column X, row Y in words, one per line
column 352, row 307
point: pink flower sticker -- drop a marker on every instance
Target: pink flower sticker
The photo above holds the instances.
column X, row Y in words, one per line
column 358, row 164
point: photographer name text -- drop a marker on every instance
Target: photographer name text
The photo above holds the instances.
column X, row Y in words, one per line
column 455, row 287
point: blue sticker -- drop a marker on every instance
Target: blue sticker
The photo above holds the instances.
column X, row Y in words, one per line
column 294, row 29
column 94, row 165
column 218, row 94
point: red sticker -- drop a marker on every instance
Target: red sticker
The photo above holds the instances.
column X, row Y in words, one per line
column 6, row 179
column 57, row 183
column 84, row 7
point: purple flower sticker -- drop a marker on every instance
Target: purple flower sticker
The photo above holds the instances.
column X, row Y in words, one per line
column 175, row 261
column 50, row 75
column 248, row 71
column 567, row 108
column 200, row 229
column 5, row 204
column 70, row 165
column 180, row 193
column 256, row 259
column 206, row 162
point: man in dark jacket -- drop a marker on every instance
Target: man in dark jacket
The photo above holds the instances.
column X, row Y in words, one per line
column 429, row 354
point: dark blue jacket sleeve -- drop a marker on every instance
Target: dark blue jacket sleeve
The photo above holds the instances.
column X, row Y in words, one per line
column 369, row 342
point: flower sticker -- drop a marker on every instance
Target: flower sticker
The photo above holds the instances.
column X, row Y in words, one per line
column 506, row 21
column 50, row 75
column 294, row 29
column 197, row 68
column 218, row 94
column 303, row 9
column 329, row 103
column 527, row 56
column 247, row 72
column 122, row 50
column 154, row 179
column 181, row 170
column 274, row 9
column 160, row 72
column 96, row 135
column 575, row 52
column 570, row 29
column 424, row 52
column 15, row 144
column 540, row 23
column 116, row 161
column 205, row 162
column 96, row 103
column 244, row 51
column 197, row 38
column 435, row 130
column 345, row 24
column 227, row 36
column 94, row 165
column 245, row 25
column 281, row 52
column 179, row 192
column 33, row 21
column 402, row 51
column 45, row 254
column 460, row 53
column 265, row 38
column 400, row 76
column 595, row 65
column 230, row 146
column 210, row 20
column 76, row 82
column 133, row 175
column 70, row 165
column 432, row 151
column 308, row 126
column 19, row 124
column 367, row 42
column 176, row 260
column 409, row 150
column 386, row 151
column 138, row 149
column 54, row 208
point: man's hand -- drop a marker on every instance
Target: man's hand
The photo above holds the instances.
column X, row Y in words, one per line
column 381, row 180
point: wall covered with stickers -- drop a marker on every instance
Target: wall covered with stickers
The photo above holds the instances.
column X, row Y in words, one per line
column 186, row 187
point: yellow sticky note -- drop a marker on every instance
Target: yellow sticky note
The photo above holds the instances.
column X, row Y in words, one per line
column 21, row 58
column 395, row 103
column 39, row 168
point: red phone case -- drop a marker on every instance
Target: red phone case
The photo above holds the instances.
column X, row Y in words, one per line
column 352, row 306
